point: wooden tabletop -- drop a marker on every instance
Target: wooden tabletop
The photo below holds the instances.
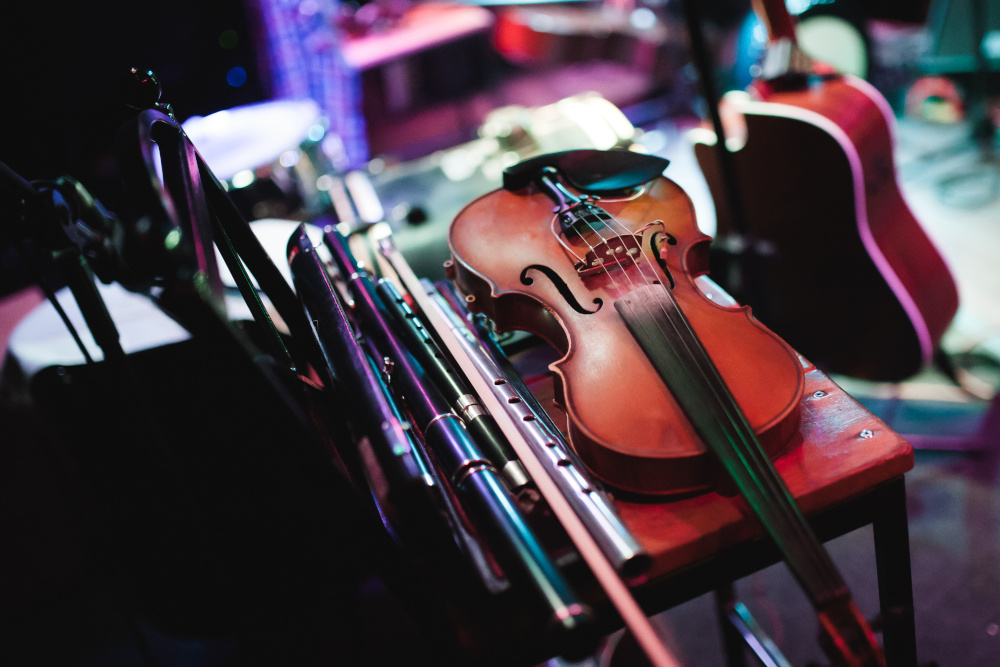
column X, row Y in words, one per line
column 844, row 451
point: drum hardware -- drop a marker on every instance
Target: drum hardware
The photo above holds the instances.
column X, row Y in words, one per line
column 586, row 120
column 185, row 214
column 354, row 200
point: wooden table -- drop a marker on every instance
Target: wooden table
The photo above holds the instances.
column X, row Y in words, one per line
column 844, row 452
column 845, row 469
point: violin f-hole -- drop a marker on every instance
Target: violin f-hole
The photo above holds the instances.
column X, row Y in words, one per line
column 560, row 285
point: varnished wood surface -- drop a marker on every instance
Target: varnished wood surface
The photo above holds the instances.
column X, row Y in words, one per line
column 624, row 421
column 853, row 282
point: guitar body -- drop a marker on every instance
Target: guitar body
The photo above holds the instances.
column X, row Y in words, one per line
column 854, row 283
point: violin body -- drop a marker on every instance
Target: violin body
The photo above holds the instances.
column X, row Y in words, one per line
column 509, row 262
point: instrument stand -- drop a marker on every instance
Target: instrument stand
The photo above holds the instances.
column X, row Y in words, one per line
column 207, row 469
column 79, row 233
column 52, row 213
column 185, row 213
column 739, row 257
column 739, row 629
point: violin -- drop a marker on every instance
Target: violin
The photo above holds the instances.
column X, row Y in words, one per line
column 539, row 257
column 599, row 254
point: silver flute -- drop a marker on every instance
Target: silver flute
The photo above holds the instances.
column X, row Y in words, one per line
column 595, row 510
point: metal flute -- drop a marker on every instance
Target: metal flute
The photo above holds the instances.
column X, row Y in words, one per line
column 481, row 425
column 600, row 565
column 472, row 475
column 348, row 365
column 569, row 474
column 583, row 494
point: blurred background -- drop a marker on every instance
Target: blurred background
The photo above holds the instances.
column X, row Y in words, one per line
column 409, row 110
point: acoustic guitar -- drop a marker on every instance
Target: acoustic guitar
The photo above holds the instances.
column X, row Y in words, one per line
column 849, row 278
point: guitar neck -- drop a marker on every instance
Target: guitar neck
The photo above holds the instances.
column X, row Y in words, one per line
column 784, row 65
column 775, row 17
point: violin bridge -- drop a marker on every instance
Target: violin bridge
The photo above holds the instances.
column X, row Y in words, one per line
column 610, row 253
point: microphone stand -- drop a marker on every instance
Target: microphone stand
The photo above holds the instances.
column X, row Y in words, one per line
column 52, row 213
column 739, row 255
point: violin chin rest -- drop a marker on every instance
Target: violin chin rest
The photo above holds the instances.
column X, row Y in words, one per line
column 594, row 172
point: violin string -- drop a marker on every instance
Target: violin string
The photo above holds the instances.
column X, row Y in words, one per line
column 768, row 483
column 617, row 259
column 674, row 320
column 695, row 351
column 820, row 566
column 684, row 333
column 554, row 227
